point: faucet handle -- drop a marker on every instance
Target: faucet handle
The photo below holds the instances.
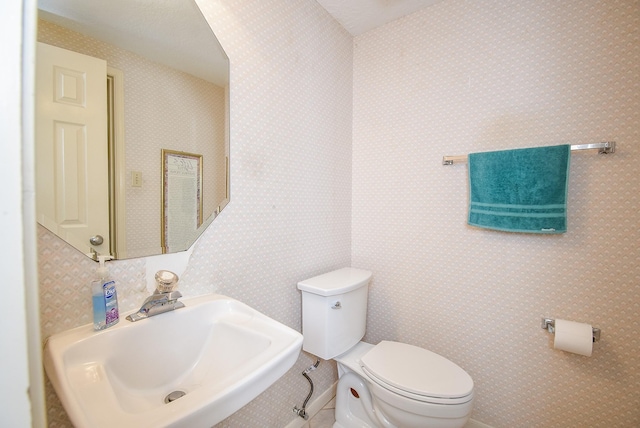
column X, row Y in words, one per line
column 166, row 281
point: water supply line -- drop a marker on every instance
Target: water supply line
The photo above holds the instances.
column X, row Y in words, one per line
column 302, row 412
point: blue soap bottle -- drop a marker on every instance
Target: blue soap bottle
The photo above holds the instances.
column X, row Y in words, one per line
column 104, row 297
column 99, row 309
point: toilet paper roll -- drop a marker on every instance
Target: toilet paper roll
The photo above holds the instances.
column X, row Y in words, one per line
column 573, row 337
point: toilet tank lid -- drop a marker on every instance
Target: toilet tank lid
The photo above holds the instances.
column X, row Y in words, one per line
column 336, row 282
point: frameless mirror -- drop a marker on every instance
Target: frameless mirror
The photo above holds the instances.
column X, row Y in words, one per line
column 152, row 172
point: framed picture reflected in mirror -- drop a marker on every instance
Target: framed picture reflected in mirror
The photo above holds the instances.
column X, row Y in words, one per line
column 181, row 197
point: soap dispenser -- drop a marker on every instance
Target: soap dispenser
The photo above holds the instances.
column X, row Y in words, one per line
column 105, row 297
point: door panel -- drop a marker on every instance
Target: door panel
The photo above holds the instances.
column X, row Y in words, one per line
column 71, row 147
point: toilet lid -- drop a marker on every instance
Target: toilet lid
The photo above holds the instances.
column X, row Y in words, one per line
column 417, row 371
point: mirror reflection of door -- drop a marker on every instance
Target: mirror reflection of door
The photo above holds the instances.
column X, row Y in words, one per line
column 71, row 147
column 174, row 95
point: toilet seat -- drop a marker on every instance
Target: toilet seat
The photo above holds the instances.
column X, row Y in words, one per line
column 417, row 373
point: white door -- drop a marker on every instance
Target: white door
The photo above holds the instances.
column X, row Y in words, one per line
column 72, row 181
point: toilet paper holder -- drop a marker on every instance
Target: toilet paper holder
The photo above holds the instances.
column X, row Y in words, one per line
column 549, row 324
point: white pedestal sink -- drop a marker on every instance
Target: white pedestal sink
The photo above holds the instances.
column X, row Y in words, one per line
column 218, row 351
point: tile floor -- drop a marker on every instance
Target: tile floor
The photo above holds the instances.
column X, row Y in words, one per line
column 324, row 418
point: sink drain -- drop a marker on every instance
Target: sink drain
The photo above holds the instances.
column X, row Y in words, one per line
column 174, row 396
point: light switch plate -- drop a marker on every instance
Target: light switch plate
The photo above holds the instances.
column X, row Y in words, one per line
column 136, row 179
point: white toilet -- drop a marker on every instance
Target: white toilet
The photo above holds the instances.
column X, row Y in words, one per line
column 390, row 384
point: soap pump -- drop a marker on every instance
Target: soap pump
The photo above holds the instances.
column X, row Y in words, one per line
column 105, row 297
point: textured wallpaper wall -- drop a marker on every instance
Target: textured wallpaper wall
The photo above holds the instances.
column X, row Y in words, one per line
column 458, row 77
column 290, row 211
column 466, row 76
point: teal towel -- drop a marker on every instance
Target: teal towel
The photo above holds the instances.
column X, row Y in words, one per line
column 521, row 190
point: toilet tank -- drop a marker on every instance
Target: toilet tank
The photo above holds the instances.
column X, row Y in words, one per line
column 334, row 311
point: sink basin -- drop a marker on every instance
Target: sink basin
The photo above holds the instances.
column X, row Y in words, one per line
column 215, row 355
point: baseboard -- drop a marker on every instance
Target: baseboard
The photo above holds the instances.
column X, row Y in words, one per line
column 476, row 424
column 315, row 406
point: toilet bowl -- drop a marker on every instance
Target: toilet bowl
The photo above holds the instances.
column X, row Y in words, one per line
column 398, row 385
column 387, row 385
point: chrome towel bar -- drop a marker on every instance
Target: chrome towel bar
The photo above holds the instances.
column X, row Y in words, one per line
column 603, row 148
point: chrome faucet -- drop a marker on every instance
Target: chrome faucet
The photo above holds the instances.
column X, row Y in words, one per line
column 164, row 299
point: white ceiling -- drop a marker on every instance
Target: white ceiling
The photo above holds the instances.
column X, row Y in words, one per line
column 164, row 31
column 170, row 32
column 359, row 16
